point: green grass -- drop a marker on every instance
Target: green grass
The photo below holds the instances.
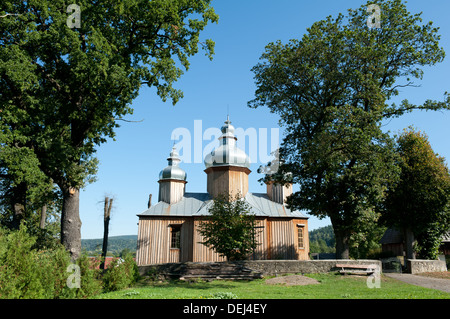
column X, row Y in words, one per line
column 332, row 286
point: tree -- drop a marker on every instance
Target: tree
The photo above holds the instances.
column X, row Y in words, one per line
column 418, row 204
column 230, row 227
column 65, row 87
column 331, row 90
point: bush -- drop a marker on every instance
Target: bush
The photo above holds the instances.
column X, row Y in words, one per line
column 29, row 273
column 20, row 273
column 121, row 273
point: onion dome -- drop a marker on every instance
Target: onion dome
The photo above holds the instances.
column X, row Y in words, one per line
column 227, row 154
column 173, row 171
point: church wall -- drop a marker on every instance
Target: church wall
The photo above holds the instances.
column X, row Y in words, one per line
column 282, row 236
column 277, row 238
column 302, row 252
column 281, row 239
column 201, row 252
column 154, row 240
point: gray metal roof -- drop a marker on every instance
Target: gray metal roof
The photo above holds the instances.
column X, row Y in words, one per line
column 197, row 204
column 227, row 154
column 172, row 170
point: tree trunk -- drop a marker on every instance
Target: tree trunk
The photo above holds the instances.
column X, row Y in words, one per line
column 18, row 204
column 71, row 223
column 43, row 216
column 409, row 243
column 408, row 236
column 342, row 247
column 107, row 215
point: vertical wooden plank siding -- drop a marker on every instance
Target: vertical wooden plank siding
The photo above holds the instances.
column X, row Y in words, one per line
column 282, row 241
column 154, row 239
column 261, row 239
column 201, row 252
column 171, row 191
column 302, row 253
column 277, row 238
column 227, row 179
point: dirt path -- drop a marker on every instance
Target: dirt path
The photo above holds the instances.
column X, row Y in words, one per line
column 292, row 280
column 427, row 282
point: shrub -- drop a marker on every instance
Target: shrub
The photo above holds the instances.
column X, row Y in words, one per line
column 20, row 275
column 121, row 273
column 91, row 283
column 29, row 273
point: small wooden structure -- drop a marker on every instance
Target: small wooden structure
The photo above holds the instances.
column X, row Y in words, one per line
column 167, row 231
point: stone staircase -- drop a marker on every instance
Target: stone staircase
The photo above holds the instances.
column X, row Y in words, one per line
column 212, row 271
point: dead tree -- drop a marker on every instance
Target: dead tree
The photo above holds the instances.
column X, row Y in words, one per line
column 107, row 215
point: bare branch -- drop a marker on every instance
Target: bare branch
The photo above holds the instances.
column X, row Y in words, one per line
column 129, row 121
column 9, row 14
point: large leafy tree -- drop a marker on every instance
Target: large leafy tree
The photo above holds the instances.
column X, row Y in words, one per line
column 419, row 203
column 64, row 86
column 332, row 89
column 229, row 229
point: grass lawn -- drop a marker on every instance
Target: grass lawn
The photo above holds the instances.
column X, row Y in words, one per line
column 332, row 286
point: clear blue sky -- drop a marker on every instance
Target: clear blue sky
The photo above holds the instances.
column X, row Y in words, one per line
column 129, row 166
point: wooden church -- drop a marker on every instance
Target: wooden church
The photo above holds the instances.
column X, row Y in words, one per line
column 168, row 233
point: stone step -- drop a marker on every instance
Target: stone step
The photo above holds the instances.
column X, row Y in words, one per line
column 218, row 277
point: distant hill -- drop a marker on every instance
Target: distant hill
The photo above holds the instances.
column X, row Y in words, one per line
column 116, row 244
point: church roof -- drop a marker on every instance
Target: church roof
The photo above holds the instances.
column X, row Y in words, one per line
column 172, row 170
column 197, row 204
column 227, row 154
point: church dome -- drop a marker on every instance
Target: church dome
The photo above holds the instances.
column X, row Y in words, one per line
column 227, row 154
column 173, row 171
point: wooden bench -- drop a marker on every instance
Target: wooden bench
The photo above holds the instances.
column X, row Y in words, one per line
column 357, row 269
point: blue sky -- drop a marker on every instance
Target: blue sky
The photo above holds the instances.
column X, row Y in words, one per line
column 129, row 166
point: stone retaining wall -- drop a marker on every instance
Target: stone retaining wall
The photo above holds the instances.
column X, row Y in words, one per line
column 263, row 267
column 416, row 266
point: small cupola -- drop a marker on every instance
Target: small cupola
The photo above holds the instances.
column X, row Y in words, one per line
column 279, row 185
column 172, row 180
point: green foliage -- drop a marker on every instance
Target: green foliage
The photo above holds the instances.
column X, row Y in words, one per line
column 29, row 273
column 65, row 89
column 420, row 200
column 322, row 240
column 121, row 273
column 230, row 228
column 222, row 295
column 331, row 89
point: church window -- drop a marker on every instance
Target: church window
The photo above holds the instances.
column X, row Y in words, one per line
column 175, row 236
column 300, row 235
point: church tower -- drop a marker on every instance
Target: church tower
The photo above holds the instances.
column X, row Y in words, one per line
column 172, row 180
column 227, row 167
column 278, row 192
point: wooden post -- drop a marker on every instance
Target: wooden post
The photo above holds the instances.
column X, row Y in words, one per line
column 107, row 214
